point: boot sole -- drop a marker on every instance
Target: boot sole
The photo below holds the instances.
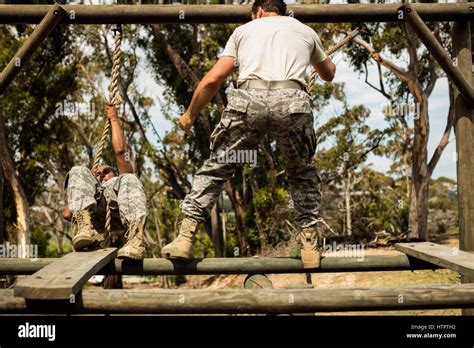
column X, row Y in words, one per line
column 125, row 257
column 175, row 256
column 82, row 243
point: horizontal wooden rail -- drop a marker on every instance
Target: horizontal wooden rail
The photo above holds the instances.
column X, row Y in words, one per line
column 179, row 14
column 237, row 265
column 247, row 301
column 51, row 18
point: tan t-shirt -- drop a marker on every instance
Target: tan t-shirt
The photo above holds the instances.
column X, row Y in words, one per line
column 274, row 48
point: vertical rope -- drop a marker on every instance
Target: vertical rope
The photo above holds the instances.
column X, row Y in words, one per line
column 115, row 99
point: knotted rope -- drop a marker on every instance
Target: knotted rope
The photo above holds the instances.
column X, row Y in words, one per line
column 115, row 99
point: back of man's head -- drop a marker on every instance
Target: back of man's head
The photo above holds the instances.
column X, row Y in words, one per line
column 277, row 6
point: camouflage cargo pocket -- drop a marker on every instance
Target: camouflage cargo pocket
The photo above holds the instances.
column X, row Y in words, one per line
column 219, row 134
column 300, row 106
column 238, row 100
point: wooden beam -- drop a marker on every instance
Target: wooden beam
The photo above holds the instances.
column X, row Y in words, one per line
column 2, row 144
column 65, row 277
column 442, row 256
column 257, row 281
column 180, row 14
column 438, row 52
column 464, row 131
column 270, row 301
column 49, row 21
column 238, row 265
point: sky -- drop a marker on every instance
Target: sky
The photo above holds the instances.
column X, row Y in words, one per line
column 357, row 92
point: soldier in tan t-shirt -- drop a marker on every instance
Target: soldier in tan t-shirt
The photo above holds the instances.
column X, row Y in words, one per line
column 272, row 53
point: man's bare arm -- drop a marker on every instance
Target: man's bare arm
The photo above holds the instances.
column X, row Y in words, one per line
column 206, row 90
column 124, row 164
column 326, row 69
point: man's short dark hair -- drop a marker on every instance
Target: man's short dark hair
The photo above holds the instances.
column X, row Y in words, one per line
column 277, row 6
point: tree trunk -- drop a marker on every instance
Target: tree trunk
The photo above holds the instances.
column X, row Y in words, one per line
column 418, row 214
column 216, row 228
column 258, row 218
column 347, row 198
column 238, row 206
column 19, row 196
column 60, row 236
column 223, row 222
column 405, row 152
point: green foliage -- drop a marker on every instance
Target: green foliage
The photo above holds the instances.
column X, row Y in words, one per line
column 74, row 64
column 40, row 238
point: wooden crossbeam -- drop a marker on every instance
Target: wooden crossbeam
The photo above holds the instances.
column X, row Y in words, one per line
column 181, row 14
column 65, row 277
column 442, row 256
column 248, row 301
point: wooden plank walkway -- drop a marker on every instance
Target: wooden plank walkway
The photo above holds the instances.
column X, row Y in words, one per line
column 442, row 256
column 65, row 277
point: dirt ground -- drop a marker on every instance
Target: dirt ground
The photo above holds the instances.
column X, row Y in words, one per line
column 332, row 280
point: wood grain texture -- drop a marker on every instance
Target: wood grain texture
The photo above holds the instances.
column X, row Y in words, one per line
column 248, row 301
column 237, row 265
column 442, row 256
column 65, row 276
column 180, row 14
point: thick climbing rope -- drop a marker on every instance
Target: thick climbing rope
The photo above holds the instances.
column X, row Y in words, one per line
column 330, row 51
column 115, row 99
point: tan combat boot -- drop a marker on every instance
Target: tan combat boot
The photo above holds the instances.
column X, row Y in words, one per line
column 182, row 246
column 134, row 248
column 310, row 252
column 85, row 233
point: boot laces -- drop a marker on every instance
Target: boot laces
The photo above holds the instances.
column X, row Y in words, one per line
column 80, row 218
column 134, row 238
column 309, row 238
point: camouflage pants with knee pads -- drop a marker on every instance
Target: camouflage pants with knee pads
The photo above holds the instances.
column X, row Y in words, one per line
column 249, row 115
column 124, row 195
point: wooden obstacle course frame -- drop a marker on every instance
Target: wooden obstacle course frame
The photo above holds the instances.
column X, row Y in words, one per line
column 206, row 14
column 51, row 19
column 237, row 265
column 244, row 301
column 461, row 13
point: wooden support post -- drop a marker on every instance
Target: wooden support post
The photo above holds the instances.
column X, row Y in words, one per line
column 49, row 22
column 2, row 141
column 181, row 14
column 464, row 131
column 439, row 53
column 271, row 301
column 237, row 265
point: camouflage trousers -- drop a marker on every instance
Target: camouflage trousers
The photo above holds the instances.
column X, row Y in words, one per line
column 124, row 195
column 249, row 116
